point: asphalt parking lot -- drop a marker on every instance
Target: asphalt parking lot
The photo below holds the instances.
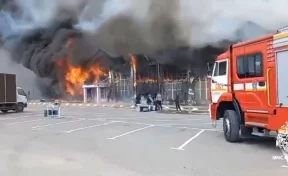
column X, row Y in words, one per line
column 122, row 142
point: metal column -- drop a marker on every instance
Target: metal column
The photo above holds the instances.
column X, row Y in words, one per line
column 98, row 92
column 84, row 95
column 159, row 78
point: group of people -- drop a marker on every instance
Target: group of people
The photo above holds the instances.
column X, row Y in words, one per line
column 150, row 100
column 155, row 100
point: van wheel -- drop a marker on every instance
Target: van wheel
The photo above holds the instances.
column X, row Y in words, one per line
column 20, row 107
column 231, row 126
column 4, row 111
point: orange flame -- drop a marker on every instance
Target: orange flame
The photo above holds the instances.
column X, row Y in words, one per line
column 75, row 76
column 133, row 64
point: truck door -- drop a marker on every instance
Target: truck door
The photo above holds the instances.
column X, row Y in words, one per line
column 250, row 72
column 219, row 80
column 282, row 78
column 21, row 96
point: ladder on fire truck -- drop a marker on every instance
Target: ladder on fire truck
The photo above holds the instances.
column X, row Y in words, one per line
column 284, row 29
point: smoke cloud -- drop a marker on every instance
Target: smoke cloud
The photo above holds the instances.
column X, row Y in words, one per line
column 36, row 32
column 25, row 78
column 197, row 22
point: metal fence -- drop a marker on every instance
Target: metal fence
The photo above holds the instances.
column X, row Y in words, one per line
column 124, row 88
column 195, row 92
column 201, row 90
column 171, row 89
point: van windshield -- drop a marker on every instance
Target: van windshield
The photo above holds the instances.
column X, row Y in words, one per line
column 21, row 92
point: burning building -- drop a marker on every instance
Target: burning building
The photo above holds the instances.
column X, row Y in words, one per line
column 145, row 74
column 70, row 59
column 176, row 71
column 65, row 42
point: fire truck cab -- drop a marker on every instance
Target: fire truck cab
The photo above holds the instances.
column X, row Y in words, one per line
column 249, row 86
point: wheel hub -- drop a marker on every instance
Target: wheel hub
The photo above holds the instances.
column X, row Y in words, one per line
column 20, row 108
column 226, row 126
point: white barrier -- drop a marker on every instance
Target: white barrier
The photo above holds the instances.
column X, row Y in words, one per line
column 88, row 105
column 91, row 105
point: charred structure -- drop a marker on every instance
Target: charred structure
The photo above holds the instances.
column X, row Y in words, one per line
column 168, row 72
column 175, row 71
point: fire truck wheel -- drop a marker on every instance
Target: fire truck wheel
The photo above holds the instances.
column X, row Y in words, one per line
column 231, row 126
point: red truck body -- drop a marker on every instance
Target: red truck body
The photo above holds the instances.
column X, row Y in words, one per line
column 249, row 86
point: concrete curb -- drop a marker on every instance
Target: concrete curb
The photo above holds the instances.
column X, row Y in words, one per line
column 128, row 106
column 189, row 109
column 85, row 105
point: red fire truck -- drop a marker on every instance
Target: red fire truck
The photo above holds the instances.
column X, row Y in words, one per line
column 249, row 86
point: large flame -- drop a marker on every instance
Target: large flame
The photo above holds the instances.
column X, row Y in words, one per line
column 134, row 67
column 75, row 76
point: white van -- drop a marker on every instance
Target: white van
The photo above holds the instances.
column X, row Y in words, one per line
column 21, row 99
column 18, row 106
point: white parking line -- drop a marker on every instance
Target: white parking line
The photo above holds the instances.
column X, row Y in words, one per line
column 96, row 119
column 285, row 157
column 11, row 118
column 88, row 127
column 177, row 124
column 158, row 125
column 210, row 123
column 41, row 126
column 177, row 120
column 102, row 119
column 187, row 142
column 113, row 138
column 137, row 123
column 114, row 118
column 14, row 123
column 87, row 114
column 206, row 129
column 169, row 126
column 14, row 114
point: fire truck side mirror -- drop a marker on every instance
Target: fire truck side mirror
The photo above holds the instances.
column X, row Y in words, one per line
column 209, row 73
column 209, row 70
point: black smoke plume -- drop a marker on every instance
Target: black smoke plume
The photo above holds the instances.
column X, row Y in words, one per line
column 159, row 37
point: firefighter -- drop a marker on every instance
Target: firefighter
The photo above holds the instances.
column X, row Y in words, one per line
column 159, row 101
column 155, row 101
column 138, row 99
column 150, row 102
column 149, row 99
column 177, row 103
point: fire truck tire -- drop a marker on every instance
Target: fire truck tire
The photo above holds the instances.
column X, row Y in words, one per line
column 231, row 126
